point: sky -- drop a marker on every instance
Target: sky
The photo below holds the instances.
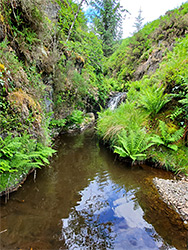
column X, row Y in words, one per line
column 151, row 10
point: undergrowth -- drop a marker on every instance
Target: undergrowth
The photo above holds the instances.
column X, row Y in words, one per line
column 18, row 155
column 156, row 106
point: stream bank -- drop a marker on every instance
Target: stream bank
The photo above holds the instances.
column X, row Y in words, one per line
column 175, row 194
column 87, row 199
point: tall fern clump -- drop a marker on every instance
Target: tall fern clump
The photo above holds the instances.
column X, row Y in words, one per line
column 133, row 144
column 152, row 99
column 20, row 154
column 165, row 138
column 111, row 123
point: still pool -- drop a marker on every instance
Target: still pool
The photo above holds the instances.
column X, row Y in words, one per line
column 87, row 199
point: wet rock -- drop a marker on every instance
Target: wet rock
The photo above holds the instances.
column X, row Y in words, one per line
column 175, row 194
column 2, row 32
column 88, row 121
column 151, row 65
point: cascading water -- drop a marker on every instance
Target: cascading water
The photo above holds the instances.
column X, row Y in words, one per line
column 116, row 99
column 48, row 99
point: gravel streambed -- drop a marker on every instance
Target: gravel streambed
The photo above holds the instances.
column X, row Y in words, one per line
column 175, row 194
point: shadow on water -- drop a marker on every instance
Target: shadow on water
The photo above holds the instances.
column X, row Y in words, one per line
column 87, row 200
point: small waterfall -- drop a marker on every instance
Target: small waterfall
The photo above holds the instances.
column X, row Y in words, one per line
column 48, row 99
column 116, row 99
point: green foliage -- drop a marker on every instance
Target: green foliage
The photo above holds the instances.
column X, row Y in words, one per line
column 182, row 96
column 111, row 123
column 12, row 179
column 174, row 69
column 10, row 60
column 76, row 118
column 125, row 61
column 23, row 20
column 66, row 18
column 152, row 99
column 60, row 123
column 8, row 120
column 165, row 138
column 22, row 153
column 85, row 86
column 133, row 144
column 107, row 19
column 175, row 161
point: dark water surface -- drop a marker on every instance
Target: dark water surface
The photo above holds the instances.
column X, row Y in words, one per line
column 88, row 200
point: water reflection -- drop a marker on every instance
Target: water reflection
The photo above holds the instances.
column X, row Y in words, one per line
column 87, row 200
column 108, row 217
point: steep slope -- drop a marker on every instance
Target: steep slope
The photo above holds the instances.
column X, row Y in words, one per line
column 47, row 81
column 142, row 53
column 152, row 67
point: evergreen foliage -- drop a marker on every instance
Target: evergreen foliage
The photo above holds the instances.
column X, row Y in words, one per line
column 138, row 24
column 107, row 20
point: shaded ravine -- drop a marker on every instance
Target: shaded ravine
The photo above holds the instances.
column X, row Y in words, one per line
column 88, row 200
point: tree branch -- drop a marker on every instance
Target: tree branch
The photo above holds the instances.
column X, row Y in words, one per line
column 75, row 17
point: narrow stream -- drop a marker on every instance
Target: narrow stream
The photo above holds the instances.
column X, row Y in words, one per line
column 87, row 199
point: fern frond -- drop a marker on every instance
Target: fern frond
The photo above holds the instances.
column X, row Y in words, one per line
column 22, row 153
column 152, row 99
column 133, row 143
column 122, row 152
column 165, row 138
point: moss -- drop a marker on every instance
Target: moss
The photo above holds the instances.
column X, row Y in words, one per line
column 1, row 18
column 25, row 103
column 2, row 67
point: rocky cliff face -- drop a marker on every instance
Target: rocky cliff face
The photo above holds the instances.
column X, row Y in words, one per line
column 163, row 40
column 37, row 68
column 142, row 53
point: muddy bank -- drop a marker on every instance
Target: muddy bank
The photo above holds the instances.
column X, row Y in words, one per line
column 175, row 194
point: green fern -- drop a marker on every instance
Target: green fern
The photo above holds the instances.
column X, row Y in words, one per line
column 152, row 99
column 133, row 144
column 111, row 123
column 166, row 138
column 22, row 153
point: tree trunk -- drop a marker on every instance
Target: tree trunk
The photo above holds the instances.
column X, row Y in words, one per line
column 75, row 16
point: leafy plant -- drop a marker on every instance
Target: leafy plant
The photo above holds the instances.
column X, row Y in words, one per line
column 152, row 99
column 175, row 161
column 57, row 123
column 133, row 144
column 20, row 153
column 76, row 117
column 183, row 95
column 111, row 123
column 166, row 138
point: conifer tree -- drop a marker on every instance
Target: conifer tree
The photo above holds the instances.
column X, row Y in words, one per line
column 138, row 21
column 108, row 16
